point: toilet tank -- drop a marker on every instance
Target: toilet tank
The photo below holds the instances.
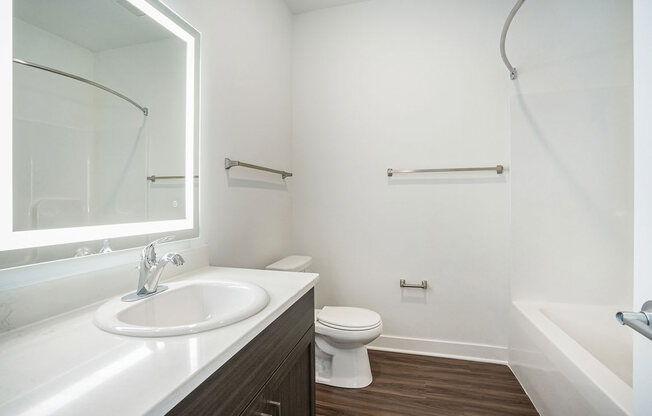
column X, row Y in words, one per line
column 292, row 264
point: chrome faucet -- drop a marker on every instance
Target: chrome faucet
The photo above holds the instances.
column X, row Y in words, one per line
column 150, row 270
column 640, row 322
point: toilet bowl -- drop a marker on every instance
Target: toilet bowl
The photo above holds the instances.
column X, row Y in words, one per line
column 341, row 337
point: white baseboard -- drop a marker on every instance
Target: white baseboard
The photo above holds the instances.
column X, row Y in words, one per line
column 436, row 348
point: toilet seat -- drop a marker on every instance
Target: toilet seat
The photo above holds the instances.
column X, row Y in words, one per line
column 347, row 336
column 348, row 318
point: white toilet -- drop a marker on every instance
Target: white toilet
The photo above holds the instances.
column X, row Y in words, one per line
column 341, row 335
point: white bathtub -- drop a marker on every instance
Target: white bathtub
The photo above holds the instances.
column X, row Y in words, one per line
column 572, row 359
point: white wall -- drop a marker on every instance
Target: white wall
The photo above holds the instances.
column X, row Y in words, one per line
column 246, row 45
column 405, row 84
column 571, row 151
column 643, row 192
column 300, row 6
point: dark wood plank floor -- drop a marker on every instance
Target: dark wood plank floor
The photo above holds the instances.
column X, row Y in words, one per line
column 414, row 385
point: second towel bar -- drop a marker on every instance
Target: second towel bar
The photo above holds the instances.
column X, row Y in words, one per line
column 228, row 164
column 498, row 169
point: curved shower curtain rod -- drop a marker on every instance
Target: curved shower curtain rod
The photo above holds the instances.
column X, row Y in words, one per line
column 512, row 70
column 84, row 80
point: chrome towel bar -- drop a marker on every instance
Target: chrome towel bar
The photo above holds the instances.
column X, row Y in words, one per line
column 423, row 285
column 498, row 169
column 155, row 178
column 228, row 164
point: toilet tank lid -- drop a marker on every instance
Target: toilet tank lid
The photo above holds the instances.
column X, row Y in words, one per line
column 291, row 264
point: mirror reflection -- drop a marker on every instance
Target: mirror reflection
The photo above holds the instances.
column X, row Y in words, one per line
column 98, row 115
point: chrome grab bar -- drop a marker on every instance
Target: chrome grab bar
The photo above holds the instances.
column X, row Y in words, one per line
column 640, row 322
column 228, row 164
column 423, row 285
column 503, row 36
column 498, row 169
column 145, row 110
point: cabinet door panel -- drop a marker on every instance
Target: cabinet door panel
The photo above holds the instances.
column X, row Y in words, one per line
column 291, row 390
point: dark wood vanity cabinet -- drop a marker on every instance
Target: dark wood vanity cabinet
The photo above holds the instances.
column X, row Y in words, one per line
column 273, row 375
column 290, row 390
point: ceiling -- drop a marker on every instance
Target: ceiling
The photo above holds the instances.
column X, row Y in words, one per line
column 96, row 25
column 302, row 6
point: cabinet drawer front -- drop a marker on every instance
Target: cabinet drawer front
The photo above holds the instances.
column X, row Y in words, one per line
column 233, row 386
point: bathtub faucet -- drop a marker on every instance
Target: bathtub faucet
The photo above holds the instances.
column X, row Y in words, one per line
column 640, row 322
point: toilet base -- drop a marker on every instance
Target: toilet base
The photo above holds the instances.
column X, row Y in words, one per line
column 348, row 368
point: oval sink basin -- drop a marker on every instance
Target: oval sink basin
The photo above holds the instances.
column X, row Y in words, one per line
column 185, row 308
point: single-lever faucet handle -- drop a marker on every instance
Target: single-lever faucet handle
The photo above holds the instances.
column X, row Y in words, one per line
column 149, row 252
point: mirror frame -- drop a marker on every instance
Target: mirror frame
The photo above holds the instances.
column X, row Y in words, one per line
column 13, row 240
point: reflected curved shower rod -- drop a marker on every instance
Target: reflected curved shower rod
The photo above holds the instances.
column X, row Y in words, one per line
column 512, row 70
column 84, row 80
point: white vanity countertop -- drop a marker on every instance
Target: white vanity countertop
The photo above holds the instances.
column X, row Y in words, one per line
column 67, row 366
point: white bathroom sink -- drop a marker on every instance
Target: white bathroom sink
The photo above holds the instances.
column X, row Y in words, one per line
column 187, row 307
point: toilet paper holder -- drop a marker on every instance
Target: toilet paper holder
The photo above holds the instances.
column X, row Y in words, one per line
column 423, row 285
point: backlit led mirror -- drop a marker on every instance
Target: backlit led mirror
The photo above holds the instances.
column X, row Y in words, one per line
column 103, row 129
